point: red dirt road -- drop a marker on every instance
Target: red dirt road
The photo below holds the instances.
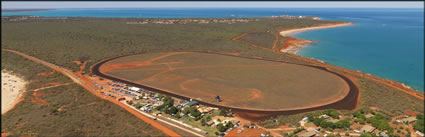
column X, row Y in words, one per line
column 92, row 90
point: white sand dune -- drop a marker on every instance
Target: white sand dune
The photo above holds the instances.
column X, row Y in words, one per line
column 11, row 90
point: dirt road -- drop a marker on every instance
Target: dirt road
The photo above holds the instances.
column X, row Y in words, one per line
column 93, row 90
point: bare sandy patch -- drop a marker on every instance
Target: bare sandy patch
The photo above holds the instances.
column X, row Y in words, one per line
column 11, row 91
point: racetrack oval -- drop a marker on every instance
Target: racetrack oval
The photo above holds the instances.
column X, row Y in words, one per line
column 244, row 84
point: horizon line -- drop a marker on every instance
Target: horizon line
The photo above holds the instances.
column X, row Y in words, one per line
column 231, row 7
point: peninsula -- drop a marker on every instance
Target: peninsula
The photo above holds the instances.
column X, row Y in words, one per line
column 293, row 45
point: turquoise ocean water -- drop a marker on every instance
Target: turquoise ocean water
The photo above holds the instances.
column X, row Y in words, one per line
column 388, row 43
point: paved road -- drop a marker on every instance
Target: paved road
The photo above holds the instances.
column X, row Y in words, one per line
column 147, row 118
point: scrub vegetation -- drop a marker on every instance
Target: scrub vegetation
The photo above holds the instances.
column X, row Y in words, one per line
column 69, row 111
column 61, row 41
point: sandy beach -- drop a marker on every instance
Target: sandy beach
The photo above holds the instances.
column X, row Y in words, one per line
column 293, row 45
column 11, row 91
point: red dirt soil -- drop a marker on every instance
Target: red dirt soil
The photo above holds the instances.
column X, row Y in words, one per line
column 36, row 99
column 254, row 116
column 46, row 73
column 251, row 116
column 247, row 132
column 411, row 113
column 5, row 134
column 255, row 94
column 293, row 42
column 111, row 67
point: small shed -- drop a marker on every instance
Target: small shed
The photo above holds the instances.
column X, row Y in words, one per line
column 367, row 129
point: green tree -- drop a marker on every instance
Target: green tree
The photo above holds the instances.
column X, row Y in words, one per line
column 129, row 102
column 419, row 125
column 203, row 122
column 332, row 113
column 171, row 110
column 221, row 127
column 222, row 113
column 208, row 118
column 367, row 135
column 168, row 101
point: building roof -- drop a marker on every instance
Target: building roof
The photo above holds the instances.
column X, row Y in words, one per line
column 307, row 134
column 333, row 120
column 367, row 128
column 369, row 115
column 191, row 103
column 409, row 119
column 324, row 116
column 205, row 109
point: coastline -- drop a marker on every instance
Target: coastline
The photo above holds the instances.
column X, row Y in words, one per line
column 12, row 91
column 293, row 45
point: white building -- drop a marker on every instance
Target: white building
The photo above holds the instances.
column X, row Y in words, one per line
column 419, row 133
column 134, row 88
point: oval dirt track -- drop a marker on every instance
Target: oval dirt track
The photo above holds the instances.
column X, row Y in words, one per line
column 258, row 88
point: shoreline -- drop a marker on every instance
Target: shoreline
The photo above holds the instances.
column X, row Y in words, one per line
column 12, row 91
column 293, row 45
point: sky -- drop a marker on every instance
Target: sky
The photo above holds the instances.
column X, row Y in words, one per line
column 205, row 4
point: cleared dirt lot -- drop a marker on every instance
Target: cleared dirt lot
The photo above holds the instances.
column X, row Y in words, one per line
column 242, row 83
